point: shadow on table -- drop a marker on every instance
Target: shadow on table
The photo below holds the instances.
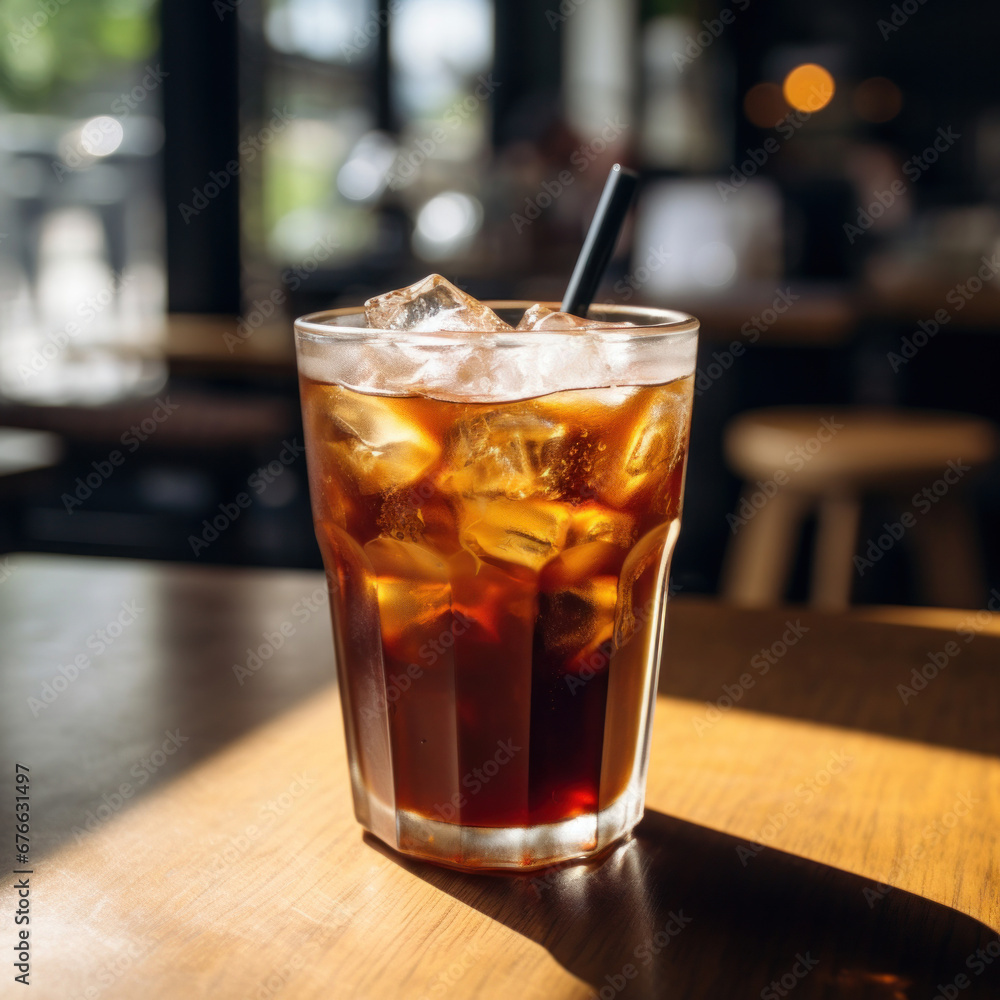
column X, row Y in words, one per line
column 683, row 911
column 838, row 670
column 202, row 657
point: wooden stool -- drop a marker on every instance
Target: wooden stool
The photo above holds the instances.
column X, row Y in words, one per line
column 794, row 460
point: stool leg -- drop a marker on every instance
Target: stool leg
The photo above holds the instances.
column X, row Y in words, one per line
column 833, row 566
column 948, row 559
column 759, row 558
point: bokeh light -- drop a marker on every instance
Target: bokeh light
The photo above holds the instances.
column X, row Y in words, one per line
column 877, row 99
column 808, row 87
column 101, row 136
column 714, row 264
column 765, row 105
column 446, row 225
column 365, row 172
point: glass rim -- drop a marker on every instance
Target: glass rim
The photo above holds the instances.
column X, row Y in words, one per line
column 648, row 321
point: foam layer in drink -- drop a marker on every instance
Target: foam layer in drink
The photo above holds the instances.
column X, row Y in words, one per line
column 498, row 365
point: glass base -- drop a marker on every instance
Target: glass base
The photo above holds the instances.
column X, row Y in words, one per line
column 515, row 847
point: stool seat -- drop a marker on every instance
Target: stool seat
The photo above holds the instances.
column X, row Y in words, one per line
column 797, row 459
column 854, row 448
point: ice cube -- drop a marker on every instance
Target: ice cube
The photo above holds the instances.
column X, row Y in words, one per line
column 414, row 595
column 578, row 593
column 524, row 532
column 543, row 317
column 533, row 315
column 400, row 515
column 431, row 305
column 498, row 606
column 374, row 442
column 512, row 453
column 638, row 580
column 592, row 522
column 580, row 564
column 419, row 514
column 655, row 429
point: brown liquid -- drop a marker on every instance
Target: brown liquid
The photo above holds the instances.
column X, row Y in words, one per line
column 499, row 574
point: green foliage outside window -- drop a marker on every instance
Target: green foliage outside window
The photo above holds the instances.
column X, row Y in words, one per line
column 50, row 47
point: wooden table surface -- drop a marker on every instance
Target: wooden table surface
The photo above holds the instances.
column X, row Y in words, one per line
column 192, row 836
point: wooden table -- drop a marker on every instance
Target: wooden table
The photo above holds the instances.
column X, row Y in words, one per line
column 192, row 836
column 196, row 344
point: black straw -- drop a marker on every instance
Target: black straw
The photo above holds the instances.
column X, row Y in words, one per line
column 600, row 241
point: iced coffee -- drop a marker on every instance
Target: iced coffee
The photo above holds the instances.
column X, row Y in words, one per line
column 496, row 494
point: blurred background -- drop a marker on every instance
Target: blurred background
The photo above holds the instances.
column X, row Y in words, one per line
column 820, row 185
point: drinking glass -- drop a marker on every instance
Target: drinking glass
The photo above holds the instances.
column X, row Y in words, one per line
column 496, row 513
